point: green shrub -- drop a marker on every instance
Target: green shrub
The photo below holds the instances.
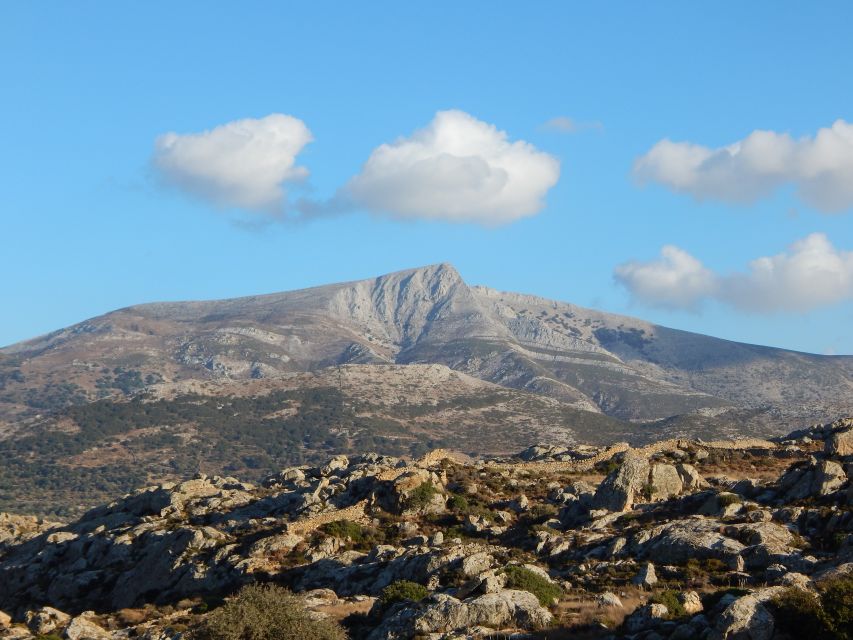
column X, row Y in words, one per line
column 836, row 597
column 403, row 590
column 457, row 503
column 266, row 612
column 344, row 529
column 421, row 496
column 669, row 599
column 48, row 636
column 525, row 579
column 799, row 613
column 725, row 499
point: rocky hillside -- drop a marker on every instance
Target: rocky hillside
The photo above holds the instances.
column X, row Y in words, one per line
column 678, row 539
column 619, row 366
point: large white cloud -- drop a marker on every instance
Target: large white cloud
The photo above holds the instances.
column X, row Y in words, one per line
column 244, row 164
column 458, row 169
column 820, row 167
column 811, row 274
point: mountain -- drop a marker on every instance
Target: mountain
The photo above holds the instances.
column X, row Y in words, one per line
column 343, row 366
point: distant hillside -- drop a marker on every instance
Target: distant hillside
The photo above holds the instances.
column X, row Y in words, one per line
column 500, row 370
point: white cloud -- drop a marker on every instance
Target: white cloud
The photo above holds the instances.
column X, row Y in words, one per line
column 811, row 274
column 245, row 163
column 457, row 169
column 676, row 280
column 820, row 167
column 565, row 124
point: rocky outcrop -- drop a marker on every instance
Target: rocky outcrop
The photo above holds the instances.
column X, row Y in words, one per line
column 443, row 613
column 623, row 486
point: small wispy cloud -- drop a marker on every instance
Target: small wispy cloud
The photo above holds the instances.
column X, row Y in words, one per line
column 565, row 124
column 812, row 273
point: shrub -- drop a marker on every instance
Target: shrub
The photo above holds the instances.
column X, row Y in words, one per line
column 669, row 599
column 457, row 503
column 421, row 496
column 836, row 597
column 799, row 613
column 521, row 578
column 344, row 529
column 403, row 590
column 725, row 499
column 266, row 612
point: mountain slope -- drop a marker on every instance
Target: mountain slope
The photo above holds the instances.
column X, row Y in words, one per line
column 621, row 366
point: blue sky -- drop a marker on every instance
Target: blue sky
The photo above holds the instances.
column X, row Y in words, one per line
column 93, row 217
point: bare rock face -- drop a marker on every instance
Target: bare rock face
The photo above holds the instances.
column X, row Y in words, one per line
column 620, row 489
column 819, row 478
column 679, row 541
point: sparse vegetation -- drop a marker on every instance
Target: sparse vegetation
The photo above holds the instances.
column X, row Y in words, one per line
column 403, row 590
column 521, row 578
column 266, row 612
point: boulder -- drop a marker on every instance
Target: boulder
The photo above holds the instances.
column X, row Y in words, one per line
column 83, row 628
column 443, row 614
column 679, row 541
column 840, row 443
column 621, row 488
column 5, row 620
column 691, row 480
column 608, row 600
column 46, row 620
column 746, row 618
column 691, row 602
column 646, row 578
column 646, row 617
column 664, row 482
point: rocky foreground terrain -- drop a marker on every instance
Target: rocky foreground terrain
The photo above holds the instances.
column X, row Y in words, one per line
column 679, row 539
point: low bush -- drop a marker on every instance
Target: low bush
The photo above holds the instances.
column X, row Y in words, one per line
column 403, row 590
column 799, row 613
column 421, row 496
column 457, row 503
column 836, row 598
column 344, row 529
column 544, row 590
column 669, row 599
column 726, row 499
column 266, row 612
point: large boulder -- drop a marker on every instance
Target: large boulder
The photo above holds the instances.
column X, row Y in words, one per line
column 679, row 541
column 622, row 488
column 646, row 578
column 818, row 478
column 747, row 618
column 840, row 443
column 646, row 617
column 664, row 482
